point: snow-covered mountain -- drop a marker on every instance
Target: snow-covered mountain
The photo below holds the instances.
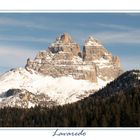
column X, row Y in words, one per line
column 60, row 90
column 59, row 75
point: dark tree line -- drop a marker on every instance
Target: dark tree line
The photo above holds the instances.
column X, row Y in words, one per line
column 116, row 105
column 121, row 109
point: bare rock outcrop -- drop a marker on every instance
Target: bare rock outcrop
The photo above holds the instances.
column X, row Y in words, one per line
column 64, row 57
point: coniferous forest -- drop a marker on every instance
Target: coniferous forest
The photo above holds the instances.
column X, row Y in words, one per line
column 116, row 105
column 120, row 110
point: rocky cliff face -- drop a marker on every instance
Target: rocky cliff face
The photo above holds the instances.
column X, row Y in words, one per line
column 59, row 75
column 64, row 57
column 25, row 99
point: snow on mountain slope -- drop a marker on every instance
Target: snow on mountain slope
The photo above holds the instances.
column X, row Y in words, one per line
column 63, row 73
column 64, row 89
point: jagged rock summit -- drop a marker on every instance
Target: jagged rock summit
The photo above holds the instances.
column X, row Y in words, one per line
column 64, row 57
column 64, row 73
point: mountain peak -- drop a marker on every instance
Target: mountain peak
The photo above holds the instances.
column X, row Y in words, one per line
column 65, row 38
column 63, row 72
column 94, row 50
column 64, row 58
column 91, row 41
column 65, row 44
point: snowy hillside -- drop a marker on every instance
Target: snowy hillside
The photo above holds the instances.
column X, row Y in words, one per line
column 62, row 89
column 61, row 74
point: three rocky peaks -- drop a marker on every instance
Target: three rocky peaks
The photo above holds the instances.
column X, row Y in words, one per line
column 59, row 75
column 64, row 57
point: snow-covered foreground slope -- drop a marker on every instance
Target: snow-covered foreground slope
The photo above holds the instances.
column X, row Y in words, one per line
column 62, row 89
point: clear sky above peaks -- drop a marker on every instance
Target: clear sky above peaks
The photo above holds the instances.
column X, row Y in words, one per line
column 22, row 35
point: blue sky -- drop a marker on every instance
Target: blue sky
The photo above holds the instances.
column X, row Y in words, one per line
column 22, row 35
